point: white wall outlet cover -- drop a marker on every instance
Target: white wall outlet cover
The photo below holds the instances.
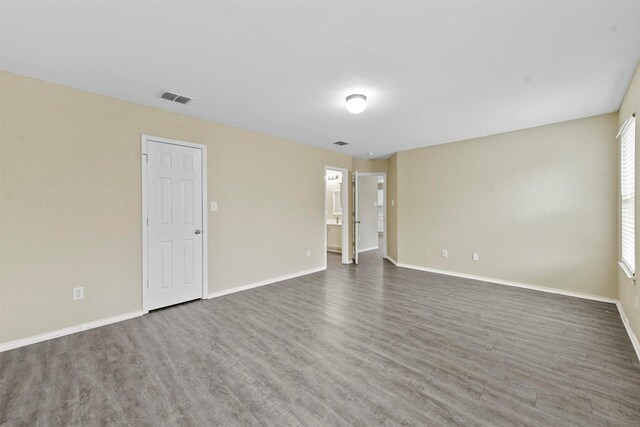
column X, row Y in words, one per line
column 308, row 254
column 393, row 202
column 214, row 206
column 78, row 293
column 475, row 257
column 445, row 253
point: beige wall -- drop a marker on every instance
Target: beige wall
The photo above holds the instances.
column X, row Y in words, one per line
column 369, row 166
column 70, row 194
column 392, row 207
column 628, row 290
column 538, row 205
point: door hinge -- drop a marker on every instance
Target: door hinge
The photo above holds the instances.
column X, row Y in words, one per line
column 147, row 283
column 147, row 221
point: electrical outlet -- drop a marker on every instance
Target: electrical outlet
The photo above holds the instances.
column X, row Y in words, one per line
column 475, row 256
column 78, row 293
column 308, row 254
column 445, row 253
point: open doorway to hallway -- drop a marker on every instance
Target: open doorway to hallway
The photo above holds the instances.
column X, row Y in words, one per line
column 336, row 214
column 370, row 215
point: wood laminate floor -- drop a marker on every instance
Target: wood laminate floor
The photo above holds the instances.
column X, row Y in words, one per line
column 367, row 345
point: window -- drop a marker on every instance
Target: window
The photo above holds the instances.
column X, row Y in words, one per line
column 627, row 137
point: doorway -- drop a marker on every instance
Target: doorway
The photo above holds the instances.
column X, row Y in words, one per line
column 336, row 213
column 370, row 225
column 174, row 222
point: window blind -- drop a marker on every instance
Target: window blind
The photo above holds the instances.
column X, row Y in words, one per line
column 627, row 137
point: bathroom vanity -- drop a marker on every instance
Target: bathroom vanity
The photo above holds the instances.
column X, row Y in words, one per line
column 334, row 237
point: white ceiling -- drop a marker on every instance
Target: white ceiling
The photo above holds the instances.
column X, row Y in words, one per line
column 434, row 72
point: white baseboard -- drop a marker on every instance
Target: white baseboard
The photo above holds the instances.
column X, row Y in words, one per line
column 68, row 331
column 514, row 284
column 391, row 260
column 627, row 326
column 623, row 316
column 114, row 319
column 266, row 282
column 368, row 249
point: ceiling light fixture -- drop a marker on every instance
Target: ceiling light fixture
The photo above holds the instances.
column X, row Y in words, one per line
column 356, row 103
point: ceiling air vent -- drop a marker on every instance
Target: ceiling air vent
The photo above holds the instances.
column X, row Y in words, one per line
column 182, row 100
column 341, row 143
column 175, row 98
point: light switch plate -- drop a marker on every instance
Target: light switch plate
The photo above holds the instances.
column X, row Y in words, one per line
column 214, row 206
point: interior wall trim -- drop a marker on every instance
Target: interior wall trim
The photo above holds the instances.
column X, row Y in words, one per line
column 392, row 261
column 368, row 249
column 627, row 326
column 511, row 283
column 625, row 321
column 119, row 318
column 10, row 345
column 266, row 282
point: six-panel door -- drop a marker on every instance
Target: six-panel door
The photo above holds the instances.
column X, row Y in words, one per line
column 174, row 199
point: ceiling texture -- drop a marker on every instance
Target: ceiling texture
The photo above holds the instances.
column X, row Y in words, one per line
column 433, row 72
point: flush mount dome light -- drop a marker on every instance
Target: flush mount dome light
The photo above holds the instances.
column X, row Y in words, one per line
column 356, row 103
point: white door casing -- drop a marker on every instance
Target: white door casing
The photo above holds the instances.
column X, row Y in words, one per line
column 356, row 220
column 382, row 175
column 173, row 190
column 344, row 194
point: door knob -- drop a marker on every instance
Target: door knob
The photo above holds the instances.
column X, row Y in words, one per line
column 198, row 231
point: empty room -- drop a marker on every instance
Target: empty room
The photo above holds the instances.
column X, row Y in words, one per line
column 319, row 213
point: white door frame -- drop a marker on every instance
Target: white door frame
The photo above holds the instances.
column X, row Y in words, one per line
column 384, row 200
column 356, row 216
column 344, row 196
column 144, row 140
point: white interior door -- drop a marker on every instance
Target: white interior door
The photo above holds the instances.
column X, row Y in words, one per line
column 356, row 220
column 174, row 206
